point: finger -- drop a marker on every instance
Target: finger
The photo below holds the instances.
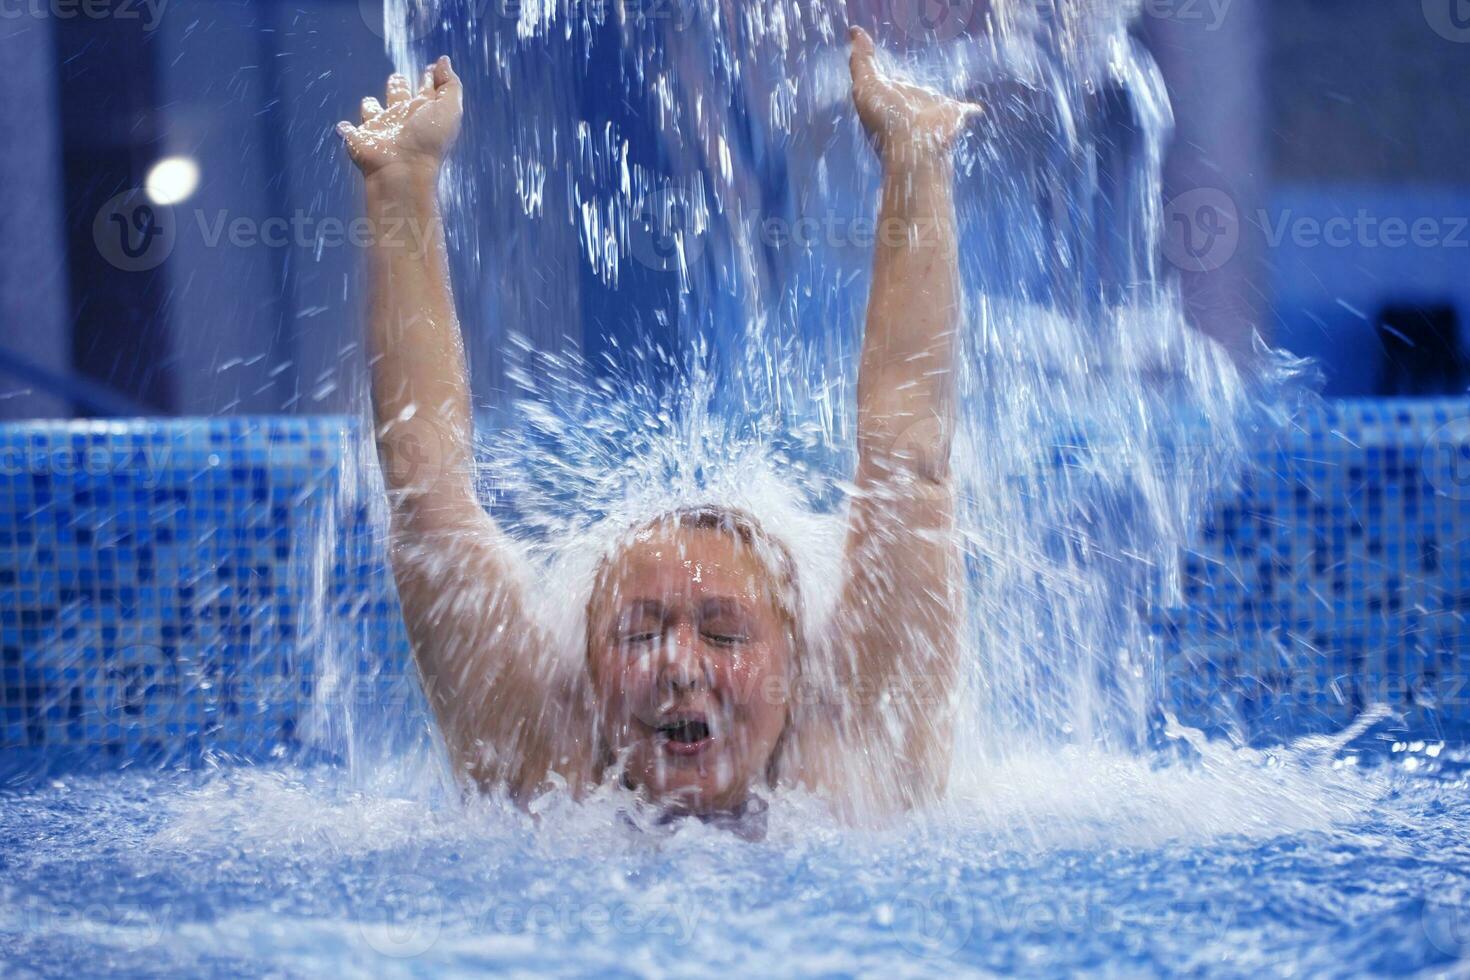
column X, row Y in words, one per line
column 445, row 76
column 398, row 90
column 346, row 130
column 863, row 62
column 370, row 108
column 426, row 83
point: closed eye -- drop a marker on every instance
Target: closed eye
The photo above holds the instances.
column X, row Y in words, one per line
column 632, row 639
column 726, row 639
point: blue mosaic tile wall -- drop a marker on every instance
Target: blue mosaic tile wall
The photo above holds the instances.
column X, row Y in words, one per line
column 167, row 587
column 157, row 596
column 1336, row 577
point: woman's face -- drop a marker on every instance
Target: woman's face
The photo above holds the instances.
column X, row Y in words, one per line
column 691, row 663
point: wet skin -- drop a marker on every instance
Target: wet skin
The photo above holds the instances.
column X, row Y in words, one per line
column 691, row 660
column 689, row 656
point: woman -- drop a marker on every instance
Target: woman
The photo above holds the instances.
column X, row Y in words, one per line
column 699, row 684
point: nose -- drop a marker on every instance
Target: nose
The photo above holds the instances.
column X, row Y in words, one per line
column 682, row 668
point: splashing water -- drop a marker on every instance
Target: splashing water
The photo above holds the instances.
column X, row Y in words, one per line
column 1094, row 423
column 727, row 218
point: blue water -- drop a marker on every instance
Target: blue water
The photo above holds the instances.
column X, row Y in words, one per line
column 1346, row 858
column 1235, row 863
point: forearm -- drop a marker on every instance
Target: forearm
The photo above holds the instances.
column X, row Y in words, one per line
column 420, row 388
column 900, row 596
column 906, row 381
column 461, row 584
column 896, row 631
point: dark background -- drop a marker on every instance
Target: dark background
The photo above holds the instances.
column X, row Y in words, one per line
column 1298, row 111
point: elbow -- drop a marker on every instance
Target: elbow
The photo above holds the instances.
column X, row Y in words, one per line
column 425, row 461
column 907, row 449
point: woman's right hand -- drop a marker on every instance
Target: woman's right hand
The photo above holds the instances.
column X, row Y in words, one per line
column 414, row 132
column 907, row 124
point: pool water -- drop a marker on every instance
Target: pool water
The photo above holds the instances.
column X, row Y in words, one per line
column 1342, row 856
column 1232, row 862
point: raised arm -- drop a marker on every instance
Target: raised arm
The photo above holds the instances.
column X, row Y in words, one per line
column 484, row 666
column 897, row 646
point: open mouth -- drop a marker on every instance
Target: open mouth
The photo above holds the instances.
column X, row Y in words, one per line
column 686, row 732
column 684, row 736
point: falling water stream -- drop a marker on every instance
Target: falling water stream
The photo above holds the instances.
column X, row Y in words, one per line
column 714, row 205
column 728, row 218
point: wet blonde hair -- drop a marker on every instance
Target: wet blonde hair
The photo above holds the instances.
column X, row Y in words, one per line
column 775, row 558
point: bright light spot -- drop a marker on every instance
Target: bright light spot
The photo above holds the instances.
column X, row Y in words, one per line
column 172, row 180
